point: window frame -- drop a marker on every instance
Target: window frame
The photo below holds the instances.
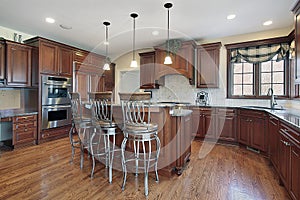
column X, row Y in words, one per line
column 256, row 74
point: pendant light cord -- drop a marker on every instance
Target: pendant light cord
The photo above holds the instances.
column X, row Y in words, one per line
column 106, row 46
column 133, row 38
column 168, row 44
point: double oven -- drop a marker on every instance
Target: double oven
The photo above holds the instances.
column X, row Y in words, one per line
column 56, row 106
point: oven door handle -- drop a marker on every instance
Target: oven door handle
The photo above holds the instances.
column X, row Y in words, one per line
column 56, row 107
column 57, row 84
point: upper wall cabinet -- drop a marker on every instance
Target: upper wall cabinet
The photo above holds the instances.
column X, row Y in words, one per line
column 183, row 61
column 2, row 61
column 208, row 56
column 18, row 62
column 296, row 11
column 54, row 58
column 15, row 64
column 88, row 58
column 147, row 71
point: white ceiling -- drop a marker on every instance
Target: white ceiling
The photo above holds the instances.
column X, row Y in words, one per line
column 189, row 19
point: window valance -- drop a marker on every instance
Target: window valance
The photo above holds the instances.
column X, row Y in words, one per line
column 259, row 54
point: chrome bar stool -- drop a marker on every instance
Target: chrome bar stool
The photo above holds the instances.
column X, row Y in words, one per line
column 80, row 125
column 105, row 127
column 137, row 127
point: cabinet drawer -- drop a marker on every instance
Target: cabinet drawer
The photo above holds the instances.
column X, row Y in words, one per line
column 252, row 113
column 20, row 127
column 291, row 133
column 273, row 120
column 203, row 110
column 21, row 119
column 226, row 111
column 29, row 135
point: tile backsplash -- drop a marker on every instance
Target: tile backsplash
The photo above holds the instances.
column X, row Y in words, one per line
column 10, row 99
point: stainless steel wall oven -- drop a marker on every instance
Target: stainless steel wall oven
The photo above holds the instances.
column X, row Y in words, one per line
column 56, row 107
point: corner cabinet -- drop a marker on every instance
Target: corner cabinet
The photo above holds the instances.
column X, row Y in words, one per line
column 208, row 56
column 147, row 71
column 183, row 61
column 252, row 129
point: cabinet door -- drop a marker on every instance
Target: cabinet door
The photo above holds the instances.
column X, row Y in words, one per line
column 284, row 159
column 208, row 126
column 208, row 65
column 258, row 134
column 147, row 71
column 244, row 130
column 97, row 83
column 18, row 65
column 273, row 140
column 65, row 61
column 295, row 172
column 110, row 78
column 196, row 125
column 226, row 127
column 82, row 84
column 2, row 61
column 48, row 56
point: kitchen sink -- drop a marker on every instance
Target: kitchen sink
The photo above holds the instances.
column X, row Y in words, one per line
column 262, row 107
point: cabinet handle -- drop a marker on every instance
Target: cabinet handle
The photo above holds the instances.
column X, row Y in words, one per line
column 285, row 143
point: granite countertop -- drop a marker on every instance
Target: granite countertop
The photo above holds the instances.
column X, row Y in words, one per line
column 14, row 113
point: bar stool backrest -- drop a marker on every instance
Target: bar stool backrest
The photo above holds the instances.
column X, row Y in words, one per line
column 76, row 106
column 136, row 109
column 102, row 106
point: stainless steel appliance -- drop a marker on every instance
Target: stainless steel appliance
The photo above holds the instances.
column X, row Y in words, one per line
column 55, row 90
column 202, row 98
column 56, row 116
column 56, row 105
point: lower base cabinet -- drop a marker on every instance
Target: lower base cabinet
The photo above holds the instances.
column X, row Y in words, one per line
column 54, row 133
column 24, row 130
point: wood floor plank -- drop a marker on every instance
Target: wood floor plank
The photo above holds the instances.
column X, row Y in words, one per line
column 227, row 172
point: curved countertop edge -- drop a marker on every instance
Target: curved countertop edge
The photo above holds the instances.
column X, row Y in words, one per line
column 16, row 113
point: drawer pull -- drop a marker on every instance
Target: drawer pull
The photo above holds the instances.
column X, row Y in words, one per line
column 285, row 143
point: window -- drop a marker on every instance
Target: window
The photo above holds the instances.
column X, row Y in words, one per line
column 254, row 67
column 271, row 74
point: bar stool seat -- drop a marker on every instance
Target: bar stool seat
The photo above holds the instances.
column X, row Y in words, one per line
column 138, row 128
column 103, row 139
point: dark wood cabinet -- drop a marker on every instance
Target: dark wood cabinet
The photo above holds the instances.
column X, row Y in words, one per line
column 147, row 71
column 18, row 64
column 56, row 59
column 274, row 138
column 295, row 172
column 24, row 130
column 183, row 61
column 88, row 78
column 203, row 122
column 208, row 56
column 252, row 129
column 226, row 124
column 109, row 78
column 296, row 11
column 2, row 62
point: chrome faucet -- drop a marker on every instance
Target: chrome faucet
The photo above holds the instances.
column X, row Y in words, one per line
column 272, row 99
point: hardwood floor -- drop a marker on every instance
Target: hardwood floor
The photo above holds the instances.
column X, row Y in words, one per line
column 44, row 172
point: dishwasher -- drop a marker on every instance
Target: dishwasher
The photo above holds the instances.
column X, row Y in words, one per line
column 6, row 134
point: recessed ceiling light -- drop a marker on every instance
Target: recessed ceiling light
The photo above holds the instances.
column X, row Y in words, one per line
column 50, row 20
column 267, row 23
column 65, row 27
column 232, row 16
column 155, row 33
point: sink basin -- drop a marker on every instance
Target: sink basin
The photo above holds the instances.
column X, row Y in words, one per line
column 262, row 107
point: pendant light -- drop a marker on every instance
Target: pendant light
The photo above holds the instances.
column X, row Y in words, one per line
column 107, row 60
column 133, row 62
column 168, row 59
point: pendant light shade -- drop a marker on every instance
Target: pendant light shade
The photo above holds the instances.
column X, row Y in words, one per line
column 133, row 62
column 107, row 60
column 168, row 59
